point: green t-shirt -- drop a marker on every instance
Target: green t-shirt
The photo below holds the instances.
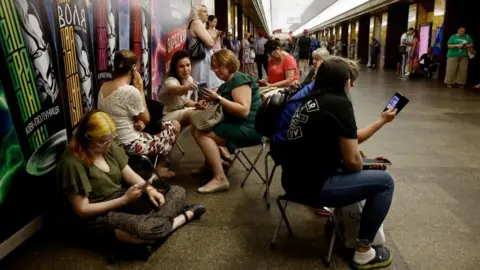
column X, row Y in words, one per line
column 75, row 176
column 456, row 39
column 225, row 91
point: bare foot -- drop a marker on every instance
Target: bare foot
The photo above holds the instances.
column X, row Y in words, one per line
column 165, row 173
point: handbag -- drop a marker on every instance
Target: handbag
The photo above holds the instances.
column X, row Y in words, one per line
column 195, row 47
column 208, row 118
column 252, row 54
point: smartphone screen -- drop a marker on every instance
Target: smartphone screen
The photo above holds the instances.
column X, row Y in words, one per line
column 393, row 102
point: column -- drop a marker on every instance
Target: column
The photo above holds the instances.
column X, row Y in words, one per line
column 363, row 39
column 221, row 11
column 397, row 24
column 383, row 38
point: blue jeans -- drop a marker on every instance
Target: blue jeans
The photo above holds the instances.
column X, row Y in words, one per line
column 374, row 186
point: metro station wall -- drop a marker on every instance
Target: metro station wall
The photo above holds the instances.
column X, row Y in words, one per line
column 56, row 55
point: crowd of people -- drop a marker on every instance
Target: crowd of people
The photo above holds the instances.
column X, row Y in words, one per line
column 111, row 199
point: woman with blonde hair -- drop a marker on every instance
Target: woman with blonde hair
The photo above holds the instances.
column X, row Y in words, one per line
column 240, row 99
column 197, row 33
column 123, row 99
column 91, row 173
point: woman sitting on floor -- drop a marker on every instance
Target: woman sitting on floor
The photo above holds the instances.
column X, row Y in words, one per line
column 325, row 123
column 175, row 91
column 91, row 173
column 126, row 104
column 240, row 99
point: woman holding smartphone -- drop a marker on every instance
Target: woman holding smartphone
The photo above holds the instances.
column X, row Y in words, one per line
column 91, row 173
column 124, row 100
column 175, row 91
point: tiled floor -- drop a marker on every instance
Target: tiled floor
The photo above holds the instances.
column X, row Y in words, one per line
column 434, row 146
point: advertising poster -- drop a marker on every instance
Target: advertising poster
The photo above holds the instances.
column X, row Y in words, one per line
column 169, row 33
column 141, row 45
column 105, row 17
column 124, row 24
column 32, row 78
column 73, row 29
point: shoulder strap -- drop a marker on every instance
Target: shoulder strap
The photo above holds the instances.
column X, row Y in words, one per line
column 190, row 24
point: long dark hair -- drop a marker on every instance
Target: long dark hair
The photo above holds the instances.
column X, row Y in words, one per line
column 210, row 19
column 179, row 55
column 331, row 78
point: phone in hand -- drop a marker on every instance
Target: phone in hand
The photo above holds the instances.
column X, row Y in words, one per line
column 375, row 161
column 201, row 87
column 398, row 101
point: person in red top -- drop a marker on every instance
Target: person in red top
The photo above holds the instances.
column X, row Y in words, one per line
column 282, row 67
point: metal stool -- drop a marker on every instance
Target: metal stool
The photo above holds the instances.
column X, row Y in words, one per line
column 283, row 209
column 251, row 164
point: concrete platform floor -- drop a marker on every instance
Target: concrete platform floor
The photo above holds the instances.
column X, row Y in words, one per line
column 434, row 145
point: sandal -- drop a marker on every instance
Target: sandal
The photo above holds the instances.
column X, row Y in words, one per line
column 197, row 209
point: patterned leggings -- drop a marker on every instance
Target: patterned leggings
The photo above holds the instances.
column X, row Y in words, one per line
column 151, row 145
column 153, row 223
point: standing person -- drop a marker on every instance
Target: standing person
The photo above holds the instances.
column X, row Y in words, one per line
column 230, row 43
column 211, row 24
column 304, row 46
column 404, row 49
column 123, row 98
column 413, row 54
column 374, row 51
column 197, row 32
column 457, row 58
column 260, row 57
column 315, row 45
column 248, row 60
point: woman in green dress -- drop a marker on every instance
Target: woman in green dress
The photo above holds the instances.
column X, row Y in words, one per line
column 240, row 98
column 92, row 173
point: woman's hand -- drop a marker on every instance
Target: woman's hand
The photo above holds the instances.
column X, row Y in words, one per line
column 262, row 83
column 191, row 86
column 139, row 125
column 379, row 167
column 138, row 81
column 210, row 94
column 133, row 193
column 201, row 105
column 156, row 197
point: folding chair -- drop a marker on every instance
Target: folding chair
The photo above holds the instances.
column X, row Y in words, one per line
column 251, row 165
column 332, row 218
column 269, row 176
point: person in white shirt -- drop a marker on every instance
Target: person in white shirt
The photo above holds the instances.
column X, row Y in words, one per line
column 126, row 105
column 177, row 89
column 405, row 47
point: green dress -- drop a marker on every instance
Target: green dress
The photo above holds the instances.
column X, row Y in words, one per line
column 239, row 132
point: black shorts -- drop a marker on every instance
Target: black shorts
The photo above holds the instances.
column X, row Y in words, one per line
column 304, row 55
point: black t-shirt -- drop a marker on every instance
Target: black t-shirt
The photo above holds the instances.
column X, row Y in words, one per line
column 304, row 44
column 428, row 59
column 312, row 150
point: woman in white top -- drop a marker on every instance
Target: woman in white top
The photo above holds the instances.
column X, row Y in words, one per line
column 176, row 89
column 201, row 70
column 126, row 105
